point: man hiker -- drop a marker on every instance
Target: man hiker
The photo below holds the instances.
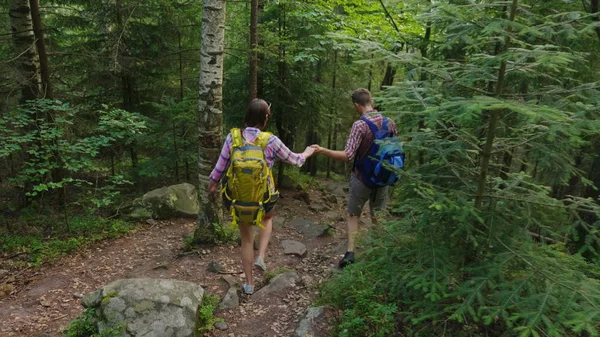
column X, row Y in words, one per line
column 358, row 145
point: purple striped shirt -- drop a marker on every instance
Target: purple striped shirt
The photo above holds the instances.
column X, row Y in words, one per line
column 275, row 149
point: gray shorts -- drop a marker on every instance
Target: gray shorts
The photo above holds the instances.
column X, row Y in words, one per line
column 359, row 194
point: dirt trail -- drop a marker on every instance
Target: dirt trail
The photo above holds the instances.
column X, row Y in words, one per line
column 47, row 298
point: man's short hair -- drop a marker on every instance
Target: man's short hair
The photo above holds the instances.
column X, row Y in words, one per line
column 361, row 96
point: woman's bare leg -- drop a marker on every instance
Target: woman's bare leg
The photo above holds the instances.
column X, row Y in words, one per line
column 264, row 235
column 247, row 235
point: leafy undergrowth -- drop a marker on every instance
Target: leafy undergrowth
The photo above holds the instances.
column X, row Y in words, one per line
column 85, row 326
column 295, row 178
column 417, row 277
column 206, row 319
column 35, row 247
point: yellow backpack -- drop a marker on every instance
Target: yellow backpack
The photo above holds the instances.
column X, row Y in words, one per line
column 249, row 179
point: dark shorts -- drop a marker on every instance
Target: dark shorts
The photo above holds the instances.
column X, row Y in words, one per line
column 360, row 193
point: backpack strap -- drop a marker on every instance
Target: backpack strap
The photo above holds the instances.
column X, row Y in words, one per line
column 263, row 139
column 236, row 138
column 371, row 125
column 374, row 128
column 385, row 124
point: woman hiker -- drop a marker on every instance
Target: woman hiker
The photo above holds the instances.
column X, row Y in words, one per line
column 257, row 117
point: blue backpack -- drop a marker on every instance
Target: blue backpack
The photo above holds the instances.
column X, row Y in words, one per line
column 379, row 167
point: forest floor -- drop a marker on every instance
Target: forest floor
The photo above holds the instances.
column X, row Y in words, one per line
column 46, row 298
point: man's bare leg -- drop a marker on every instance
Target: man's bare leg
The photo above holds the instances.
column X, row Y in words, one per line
column 352, row 232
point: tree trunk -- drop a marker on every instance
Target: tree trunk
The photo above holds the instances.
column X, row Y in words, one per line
column 336, row 130
column 370, row 75
column 181, row 87
column 423, row 50
column 260, row 78
column 595, row 10
column 210, row 113
column 38, row 31
column 333, row 108
column 281, row 70
column 493, row 121
column 181, row 96
column 30, row 79
column 28, row 62
column 47, row 92
column 388, row 78
column 253, row 57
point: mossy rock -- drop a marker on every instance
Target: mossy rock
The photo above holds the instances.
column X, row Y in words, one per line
column 139, row 307
column 167, row 202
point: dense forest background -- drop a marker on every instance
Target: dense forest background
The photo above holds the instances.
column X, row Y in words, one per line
column 495, row 227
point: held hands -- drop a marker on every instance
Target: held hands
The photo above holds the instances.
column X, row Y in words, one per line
column 317, row 148
column 309, row 151
column 313, row 149
column 212, row 188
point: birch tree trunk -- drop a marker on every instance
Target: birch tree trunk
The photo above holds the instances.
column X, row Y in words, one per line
column 30, row 78
column 210, row 114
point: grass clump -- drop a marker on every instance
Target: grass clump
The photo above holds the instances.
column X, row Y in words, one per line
column 38, row 246
column 277, row 271
column 86, row 326
column 206, row 319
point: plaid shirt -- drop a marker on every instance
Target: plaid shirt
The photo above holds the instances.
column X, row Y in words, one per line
column 275, row 149
column 361, row 138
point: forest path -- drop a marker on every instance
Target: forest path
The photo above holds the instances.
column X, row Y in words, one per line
column 47, row 298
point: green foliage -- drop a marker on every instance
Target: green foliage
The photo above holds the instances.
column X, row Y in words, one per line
column 188, row 242
column 222, row 234
column 296, row 178
column 39, row 247
column 486, row 250
column 41, row 129
column 176, row 152
column 206, row 320
column 86, row 326
column 225, row 234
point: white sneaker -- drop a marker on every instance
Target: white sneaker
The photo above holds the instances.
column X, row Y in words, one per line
column 248, row 289
column 260, row 263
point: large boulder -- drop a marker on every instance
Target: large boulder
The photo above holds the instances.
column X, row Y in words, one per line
column 231, row 300
column 291, row 247
column 147, row 307
column 167, row 202
column 308, row 229
column 279, row 283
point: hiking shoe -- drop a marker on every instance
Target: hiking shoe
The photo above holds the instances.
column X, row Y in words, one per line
column 260, row 263
column 248, row 289
column 348, row 259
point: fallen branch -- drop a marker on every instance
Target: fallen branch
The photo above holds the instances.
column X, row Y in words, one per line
column 180, row 255
column 60, row 317
column 13, row 256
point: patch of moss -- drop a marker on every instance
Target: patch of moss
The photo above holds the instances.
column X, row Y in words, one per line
column 144, row 306
column 107, row 298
